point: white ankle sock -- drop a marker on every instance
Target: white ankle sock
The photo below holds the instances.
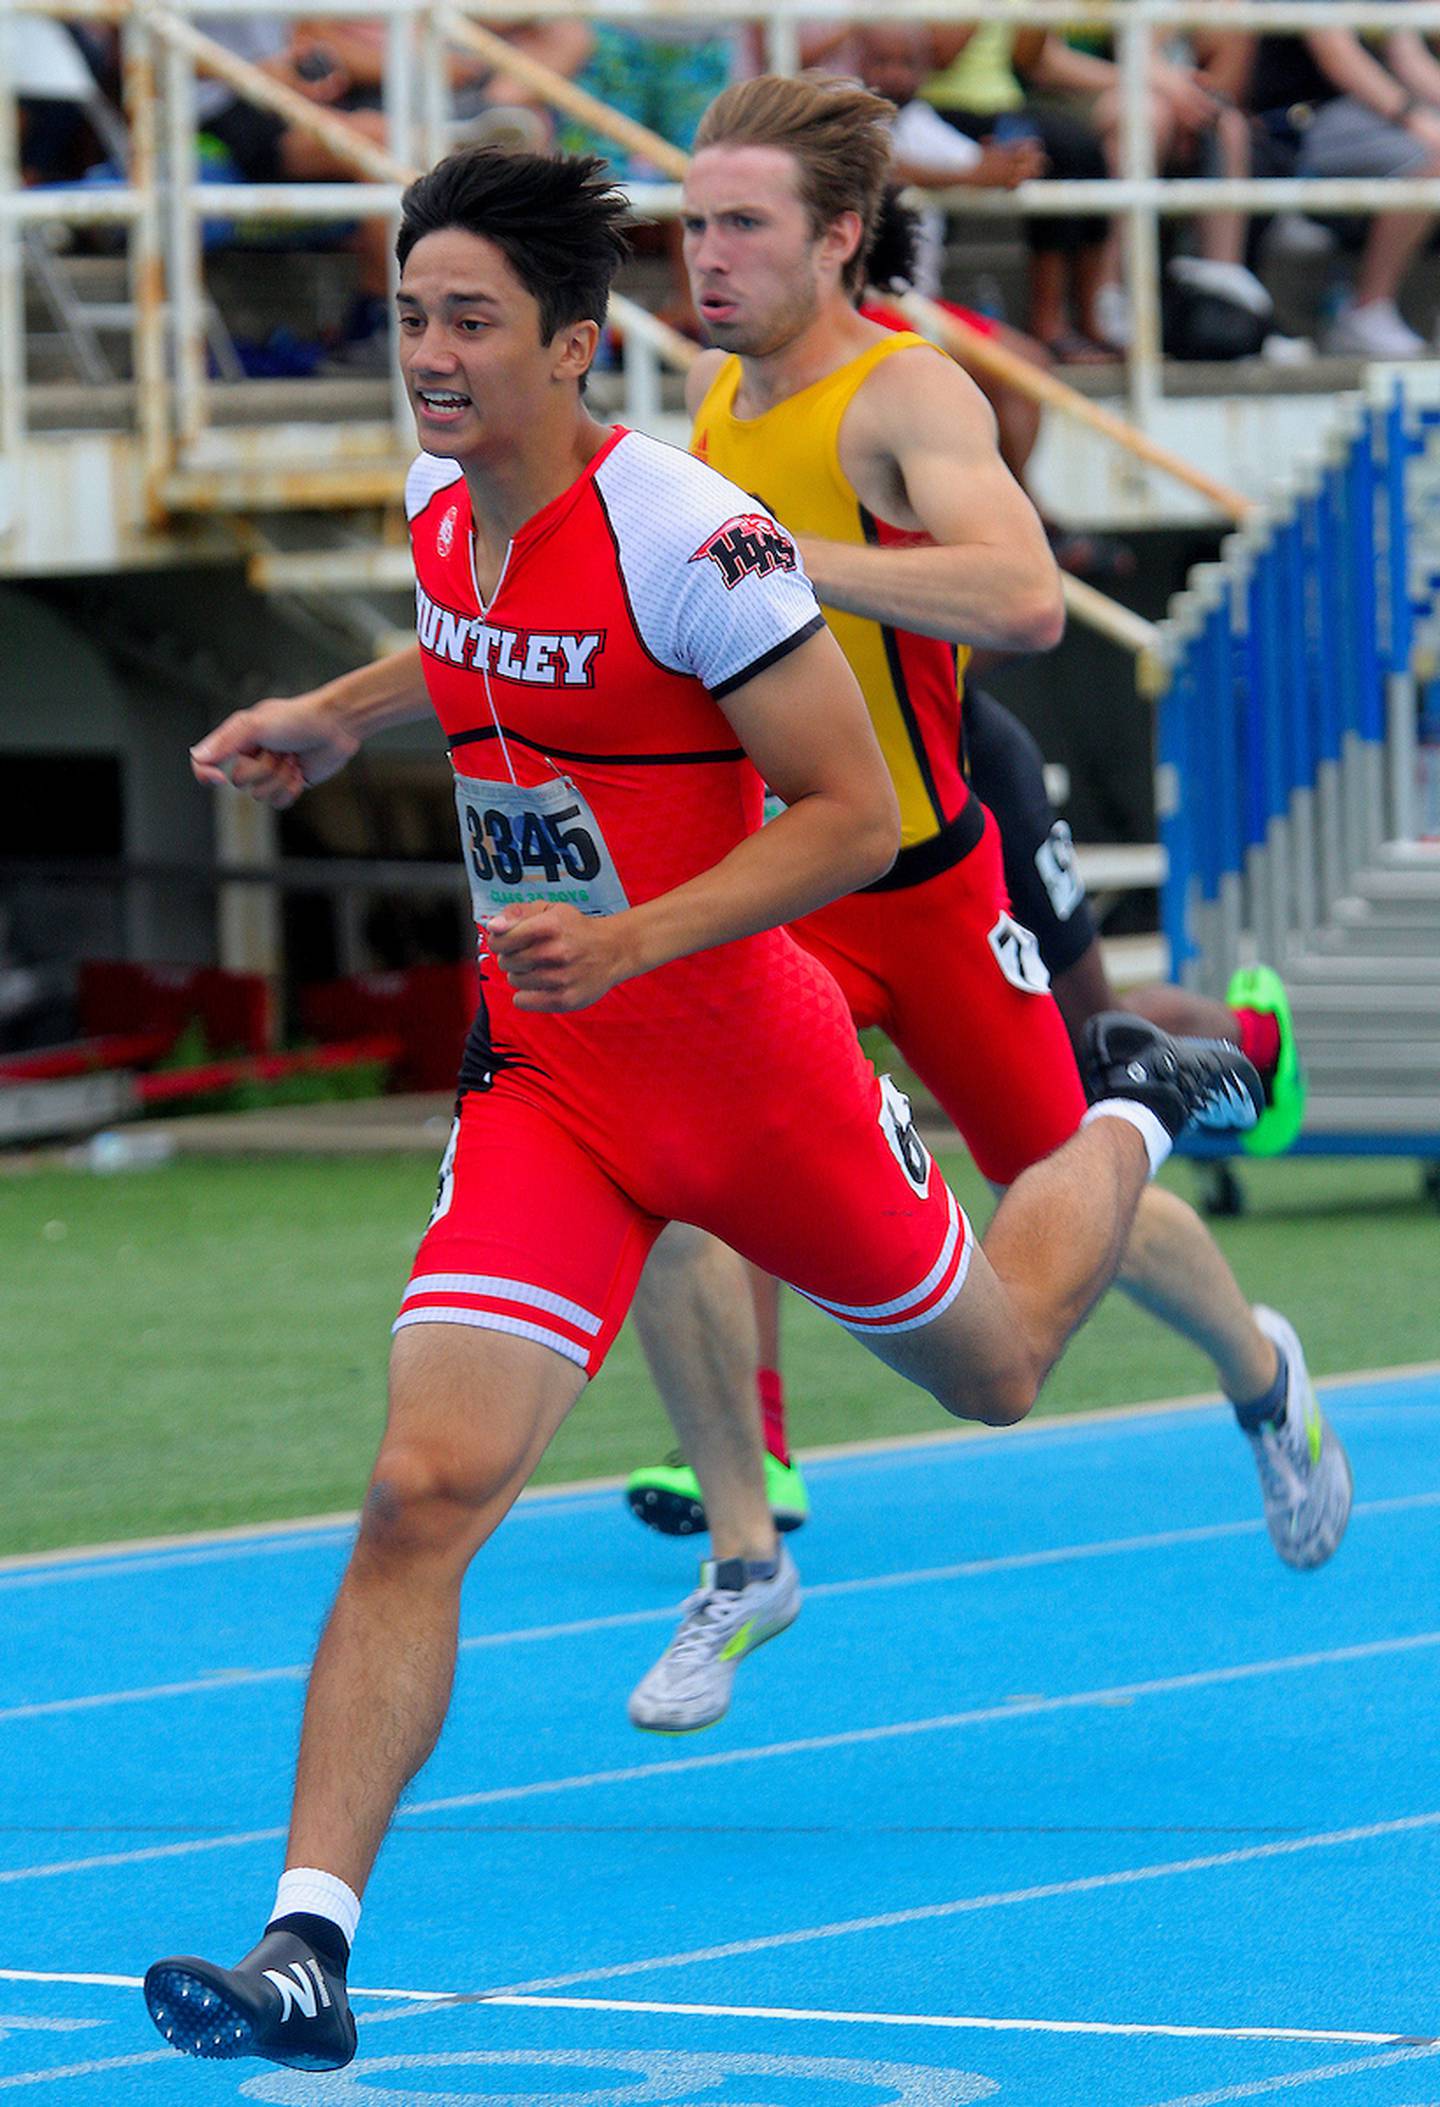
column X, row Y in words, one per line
column 317, row 1894
column 1147, row 1124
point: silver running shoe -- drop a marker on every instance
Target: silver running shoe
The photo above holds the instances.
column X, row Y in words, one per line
column 689, row 1686
column 1304, row 1471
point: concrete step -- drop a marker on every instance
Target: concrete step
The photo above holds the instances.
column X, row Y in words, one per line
column 1409, row 856
column 1312, row 975
column 1408, row 1067
column 96, row 277
column 1379, row 934
column 66, row 404
column 1388, row 1010
column 1356, row 1113
column 50, row 362
column 1412, row 887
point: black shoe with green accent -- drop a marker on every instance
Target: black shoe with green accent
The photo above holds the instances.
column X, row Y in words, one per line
column 1205, row 1084
column 666, row 1496
column 1261, row 988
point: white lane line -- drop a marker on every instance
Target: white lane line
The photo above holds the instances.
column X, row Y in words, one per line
column 147, row 1554
column 85, row 2070
column 225, row 1679
column 1294, row 2080
column 940, row 1723
column 104, row 1859
column 168, row 1561
column 969, row 1905
column 158, row 1554
column 820, row 2016
column 946, row 2022
column 1074, row 1554
column 439, row 1997
column 855, row 1737
column 150, row 1693
column 46, row 1975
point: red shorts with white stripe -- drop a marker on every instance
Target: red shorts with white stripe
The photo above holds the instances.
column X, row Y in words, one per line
column 542, row 1234
column 959, row 986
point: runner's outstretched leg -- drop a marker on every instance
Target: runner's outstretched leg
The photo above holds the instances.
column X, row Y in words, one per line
column 470, row 1415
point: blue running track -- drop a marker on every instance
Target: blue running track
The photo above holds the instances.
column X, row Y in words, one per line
column 1062, row 1793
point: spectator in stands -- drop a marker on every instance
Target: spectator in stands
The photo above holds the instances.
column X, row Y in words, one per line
column 339, row 62
column 264, row 148
column 1341, row 110
column 984, row 87
column 499, row 108
column 1197, row 127
column 932, row 155
column 929, row 153
column 64, row 75
column 908, row 245
column 664, row 74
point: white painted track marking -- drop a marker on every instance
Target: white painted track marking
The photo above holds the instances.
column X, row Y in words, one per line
column 227, row 1679
column 104, row 1859
column 945, row 1722
column 46, row 1975
column 1292, row 2081
column 147, row 1554
column 927, row 1913
column 945, row 2021
column 85, row 2070
column 822, row 2017
column 151, row 1693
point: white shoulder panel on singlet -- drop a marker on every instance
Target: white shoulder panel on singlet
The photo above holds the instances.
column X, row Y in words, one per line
column 427, row 474
column 716, row 588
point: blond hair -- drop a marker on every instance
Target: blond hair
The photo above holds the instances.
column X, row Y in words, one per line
column 837, row 133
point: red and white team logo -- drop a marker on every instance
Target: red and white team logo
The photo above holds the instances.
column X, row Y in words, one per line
column 751, row 546
column 444, row 539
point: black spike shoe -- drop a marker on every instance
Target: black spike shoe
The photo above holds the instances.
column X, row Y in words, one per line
column 1202, row 1083
column 283, row 2002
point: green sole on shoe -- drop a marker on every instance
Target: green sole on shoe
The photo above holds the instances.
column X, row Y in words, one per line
column 666, row 1497
column 1261, row 988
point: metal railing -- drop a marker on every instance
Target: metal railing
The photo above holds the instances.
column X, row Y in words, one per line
column 163, row 205
column 1306, row 647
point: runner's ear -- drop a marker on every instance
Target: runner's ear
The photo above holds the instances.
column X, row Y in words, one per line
column 575, row 345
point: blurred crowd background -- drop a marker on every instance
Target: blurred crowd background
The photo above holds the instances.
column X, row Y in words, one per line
column 984, row 106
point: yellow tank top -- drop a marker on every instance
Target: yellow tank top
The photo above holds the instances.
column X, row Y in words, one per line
column 981, row 76
column 789, row 459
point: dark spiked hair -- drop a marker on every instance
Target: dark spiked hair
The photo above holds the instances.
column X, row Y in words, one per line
column 558, row 221
column 891, row 259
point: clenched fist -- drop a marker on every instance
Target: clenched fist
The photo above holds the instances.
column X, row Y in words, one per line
column 556, row 958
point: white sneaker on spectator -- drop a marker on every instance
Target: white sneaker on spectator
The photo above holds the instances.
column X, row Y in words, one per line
column 1278, row 350
column 1112, row 315
column 1226, row 281
column 512, row 127
column 1376, row 330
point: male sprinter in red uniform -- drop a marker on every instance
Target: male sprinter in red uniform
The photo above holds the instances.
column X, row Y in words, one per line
column 619, row 645
column 879, row 454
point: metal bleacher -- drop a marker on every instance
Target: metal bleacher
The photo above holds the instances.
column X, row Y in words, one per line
column 1289, row 678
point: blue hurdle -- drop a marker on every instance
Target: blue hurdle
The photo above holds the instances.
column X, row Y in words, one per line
column 1298, row 802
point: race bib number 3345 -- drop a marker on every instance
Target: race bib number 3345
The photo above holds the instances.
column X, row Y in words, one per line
column 537, row 843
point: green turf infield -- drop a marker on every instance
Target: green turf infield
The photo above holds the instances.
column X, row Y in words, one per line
column 204, row 1344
